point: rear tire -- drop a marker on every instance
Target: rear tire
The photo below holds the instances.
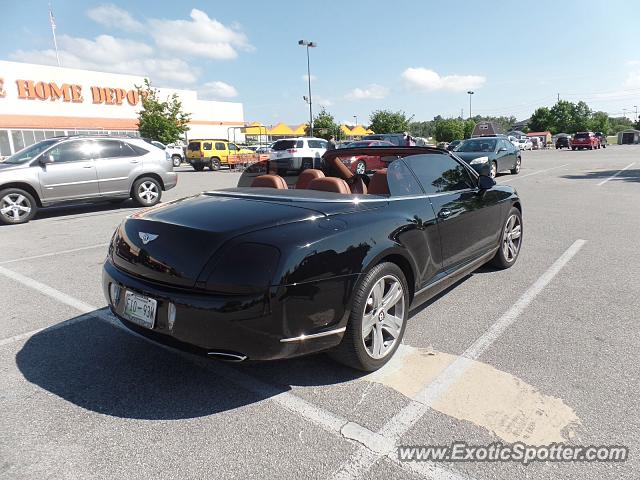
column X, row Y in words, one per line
column 516, row 169
column 368, row 351
column 16, row 206
column 198, row 167
column 510, row 241
column 177, row 160
column 147, row 191
column 215, row 164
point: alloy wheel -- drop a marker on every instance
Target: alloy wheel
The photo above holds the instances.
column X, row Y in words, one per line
column 361, row 168
column 148, row 191
column 383, row 316
column 494, row 170
column 14, row 207
column 512, row 238
column 518, row 162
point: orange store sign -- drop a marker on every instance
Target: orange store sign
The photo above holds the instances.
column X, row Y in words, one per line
column 71, row 93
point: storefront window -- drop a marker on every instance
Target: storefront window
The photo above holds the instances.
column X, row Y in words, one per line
column 59, row 133
column 29, row 137
column 18, row 141
column 39, row 134
column 49, row 133
column 5, row 148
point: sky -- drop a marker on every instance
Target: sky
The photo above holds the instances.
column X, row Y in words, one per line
column 420, row 57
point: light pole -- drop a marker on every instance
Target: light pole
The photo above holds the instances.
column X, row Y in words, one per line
column 309, row 44
column 356, row 118
column 636, row 107
column 470, row 93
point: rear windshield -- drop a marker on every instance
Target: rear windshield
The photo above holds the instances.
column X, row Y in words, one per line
column 283, row 145
column 194, row 146
column 581, row 135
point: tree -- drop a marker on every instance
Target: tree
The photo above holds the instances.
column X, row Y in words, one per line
column 469, row 125
column 163, row 121
column 562, row 117
column 600, row 122
column 581, row 117
column 324, row 125
column 386, row 121
column 449, row 130
column 422, row 129
column 540, row 121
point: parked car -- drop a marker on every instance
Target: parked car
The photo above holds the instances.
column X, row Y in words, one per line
column 536, row 143
column 176, row 152
column 282, row 272
column 297, row 153
column 399, row 139
column 493, row 154
column 585, row 140
column 525, row 144
column 263, row 149
column 81, row 169
column 212, row 153
column 363, row 163
column 603, row 139
column 563, row 142
column 453, row 145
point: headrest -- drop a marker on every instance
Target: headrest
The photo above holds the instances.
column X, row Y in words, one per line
column 330, row 184
column 306, row 176
column 270, row 181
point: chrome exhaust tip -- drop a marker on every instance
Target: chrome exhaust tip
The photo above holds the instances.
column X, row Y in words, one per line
column 227, row 357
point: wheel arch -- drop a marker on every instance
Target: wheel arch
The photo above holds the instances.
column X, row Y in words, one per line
column 26, row 187
column 155, row 176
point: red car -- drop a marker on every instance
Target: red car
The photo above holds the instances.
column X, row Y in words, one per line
column 585, row 140
column 364, row 163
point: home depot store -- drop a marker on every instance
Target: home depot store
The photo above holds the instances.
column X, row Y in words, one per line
column 39, row 101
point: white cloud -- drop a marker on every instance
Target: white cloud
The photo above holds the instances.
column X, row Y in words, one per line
column 110, row 54
column 216, row 90
column 633, row 80
column 428, row 80
column 632, row 63
column 322, row 101
column 371, row 92
column 112, row 16
column 199, row 37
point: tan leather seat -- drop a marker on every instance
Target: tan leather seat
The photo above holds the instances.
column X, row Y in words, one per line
column 305, row 178
column 330, row 184
column 270, row 181
column 379, row 184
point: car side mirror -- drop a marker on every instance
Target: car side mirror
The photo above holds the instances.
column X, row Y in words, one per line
column 485, row 182
column 46, row 160
column 502, row 149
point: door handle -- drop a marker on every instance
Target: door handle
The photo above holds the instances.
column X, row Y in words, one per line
column 135, row 161
column 444, row 213
column 88, row 166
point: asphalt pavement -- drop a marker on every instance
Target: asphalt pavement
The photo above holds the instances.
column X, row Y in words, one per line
column 545, row 352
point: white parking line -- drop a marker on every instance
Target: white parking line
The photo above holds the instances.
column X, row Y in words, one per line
column 54, row 254
column 616, row 174
column 373, row 444
column 395, row 428
column 532, row 173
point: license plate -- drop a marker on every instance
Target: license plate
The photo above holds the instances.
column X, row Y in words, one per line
column 140, row 309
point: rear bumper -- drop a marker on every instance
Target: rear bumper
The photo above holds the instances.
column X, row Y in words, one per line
column 170, row 180
column 280, row 323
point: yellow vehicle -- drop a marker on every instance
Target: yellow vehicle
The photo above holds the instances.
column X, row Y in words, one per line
column 212, row 153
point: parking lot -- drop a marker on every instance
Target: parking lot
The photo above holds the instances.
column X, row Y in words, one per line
column 544, row 352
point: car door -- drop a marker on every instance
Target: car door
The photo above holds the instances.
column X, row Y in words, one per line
column 468, row 219
column 72, row 173
column 115, row 161
column 222, row 152
column 512, row 154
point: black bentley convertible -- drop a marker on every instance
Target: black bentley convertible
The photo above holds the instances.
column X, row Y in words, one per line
column 293, row 262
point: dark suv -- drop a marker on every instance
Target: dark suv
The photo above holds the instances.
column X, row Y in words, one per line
column 563, row 142
column 603, row 139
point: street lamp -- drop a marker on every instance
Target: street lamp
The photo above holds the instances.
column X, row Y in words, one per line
column 356, row 118
column 636, row 107
column 308, row 44
column 470, row 93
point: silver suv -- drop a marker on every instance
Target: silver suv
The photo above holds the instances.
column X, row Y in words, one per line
column 73, row 169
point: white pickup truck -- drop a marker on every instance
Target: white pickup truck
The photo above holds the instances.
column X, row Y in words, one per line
column 176, row 152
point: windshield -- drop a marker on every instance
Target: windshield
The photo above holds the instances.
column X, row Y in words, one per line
column 477, row 145
column 26, row 154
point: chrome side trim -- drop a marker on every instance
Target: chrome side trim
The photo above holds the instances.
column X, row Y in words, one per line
column 230, row 357
column 304, row 337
